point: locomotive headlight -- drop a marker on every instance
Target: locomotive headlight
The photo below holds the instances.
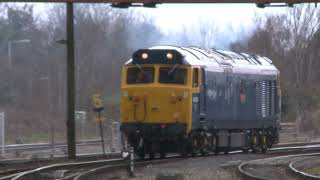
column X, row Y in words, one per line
column 145, row 95
column 169, row 56
column 185, row 94
column 144, row 56
column 176, row 116
column 173, row 98
column 125, row 93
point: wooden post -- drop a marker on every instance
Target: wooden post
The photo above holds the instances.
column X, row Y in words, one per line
column 70, row 83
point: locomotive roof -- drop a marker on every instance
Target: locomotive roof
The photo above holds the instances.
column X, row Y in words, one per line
column 220, row 60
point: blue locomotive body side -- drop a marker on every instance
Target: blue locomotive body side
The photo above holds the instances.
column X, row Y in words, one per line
column 237, row 101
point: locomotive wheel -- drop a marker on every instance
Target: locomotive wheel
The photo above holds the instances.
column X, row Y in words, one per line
column 163, row 149
column 205, row 145
column 226, row 152
column 254, row 150
column 149, row 149
column 141, row 154
column 245, row 150
column 184, row 153
column 162, row 155
column 193, row 154
column 203, row 153
column 151, row 155
column 216, row 152
column 184, row 147
column 194, row 147
column 263, row 142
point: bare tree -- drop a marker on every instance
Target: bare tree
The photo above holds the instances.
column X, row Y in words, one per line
column 291, row 41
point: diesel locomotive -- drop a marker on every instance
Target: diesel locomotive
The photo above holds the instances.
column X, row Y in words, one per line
column 196, row 101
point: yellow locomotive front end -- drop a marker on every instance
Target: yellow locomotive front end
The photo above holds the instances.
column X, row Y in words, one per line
column 151, row 98
column 156, row 102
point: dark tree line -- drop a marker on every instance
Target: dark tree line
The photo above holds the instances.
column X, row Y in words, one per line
column 33, row 90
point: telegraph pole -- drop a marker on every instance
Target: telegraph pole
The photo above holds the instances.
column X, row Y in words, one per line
column 70, row 83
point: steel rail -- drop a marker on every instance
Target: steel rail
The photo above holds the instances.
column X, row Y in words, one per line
column 26, row 147
column 57, row 158
column 296, row 144
column 35, row 146
column 80, row 157
column 21, row 147
column 302, row 174
column 69, row 176
column 247, row 175
column 65, row 165
column 86, row 174
column 14, row 147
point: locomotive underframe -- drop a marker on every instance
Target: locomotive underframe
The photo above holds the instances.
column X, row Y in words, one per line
column 157, row 138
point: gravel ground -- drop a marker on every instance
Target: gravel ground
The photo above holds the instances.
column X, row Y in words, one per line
column 222, row 167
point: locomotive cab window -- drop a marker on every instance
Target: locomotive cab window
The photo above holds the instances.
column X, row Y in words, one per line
column 195, row 81
column 142, row 75
column 172, row 75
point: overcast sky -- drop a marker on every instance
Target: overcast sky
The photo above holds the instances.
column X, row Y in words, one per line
column 174, row 16
column 230, row 20
column 171, row 17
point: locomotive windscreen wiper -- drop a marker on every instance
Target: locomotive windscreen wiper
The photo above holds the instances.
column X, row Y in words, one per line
column 173, row 69
column 142, row 71
column 140, row 68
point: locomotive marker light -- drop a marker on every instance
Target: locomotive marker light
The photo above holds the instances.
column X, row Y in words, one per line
column 169, row 56
column 144, row 56
column 98, row 107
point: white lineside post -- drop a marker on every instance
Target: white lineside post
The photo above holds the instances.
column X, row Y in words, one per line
column 114, row 135
column 2, row 129
column 131, row 171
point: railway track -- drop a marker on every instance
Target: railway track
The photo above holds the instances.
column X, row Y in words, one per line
column 279, row 167
column 16, row 166
column 65, row 168
column 81, row 170
column 295, row 169
column 39, row 146
column 89, row 168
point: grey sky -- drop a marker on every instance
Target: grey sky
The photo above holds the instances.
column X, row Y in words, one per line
column 231, row 21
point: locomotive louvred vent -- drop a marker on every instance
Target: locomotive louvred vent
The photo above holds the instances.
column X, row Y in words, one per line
column 263, row 99
column 258, row 99
column 268, row 95
column 273, row 97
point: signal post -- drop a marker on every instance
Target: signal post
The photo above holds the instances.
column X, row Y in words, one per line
column 97, row 108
